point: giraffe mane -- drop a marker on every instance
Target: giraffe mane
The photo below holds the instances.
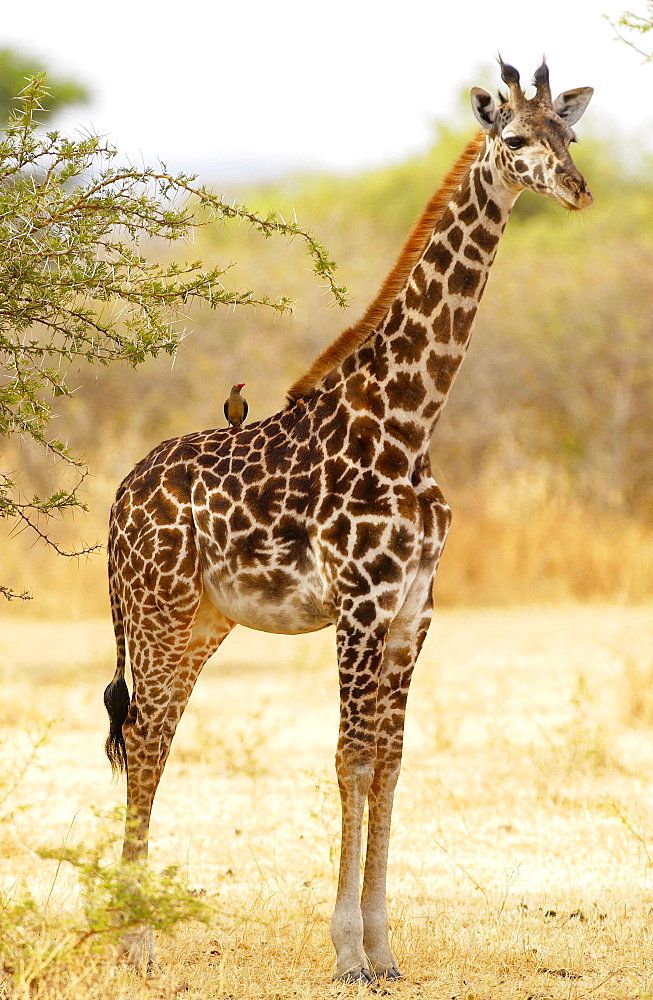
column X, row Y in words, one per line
column 351, row 338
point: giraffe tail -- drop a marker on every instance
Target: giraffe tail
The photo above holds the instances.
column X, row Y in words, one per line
column 116, row 694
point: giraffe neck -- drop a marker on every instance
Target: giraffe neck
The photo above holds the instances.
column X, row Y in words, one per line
column 411, row 360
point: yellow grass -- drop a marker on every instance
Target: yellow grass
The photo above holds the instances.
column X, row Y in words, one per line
column 522, row 843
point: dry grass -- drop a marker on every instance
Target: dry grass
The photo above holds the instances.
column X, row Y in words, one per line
column 521, row 852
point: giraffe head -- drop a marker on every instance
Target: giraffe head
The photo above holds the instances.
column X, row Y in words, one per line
column 528, row 140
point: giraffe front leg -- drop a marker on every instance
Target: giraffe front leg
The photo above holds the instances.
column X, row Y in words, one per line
column 360, row 655
column 354, row 779
column 403, row 647
column 376, row 942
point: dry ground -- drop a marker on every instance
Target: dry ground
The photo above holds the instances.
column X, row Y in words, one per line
column 523, row 837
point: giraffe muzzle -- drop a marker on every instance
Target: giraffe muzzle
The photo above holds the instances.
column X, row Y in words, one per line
column 574, row 185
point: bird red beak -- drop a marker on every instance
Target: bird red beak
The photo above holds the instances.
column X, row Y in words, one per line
column 241, row 385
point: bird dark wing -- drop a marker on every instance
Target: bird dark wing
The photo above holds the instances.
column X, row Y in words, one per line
column 226, row 409
column 245, row 409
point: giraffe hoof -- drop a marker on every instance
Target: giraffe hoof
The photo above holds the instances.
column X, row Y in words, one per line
column 360, row 975
column 389, row 974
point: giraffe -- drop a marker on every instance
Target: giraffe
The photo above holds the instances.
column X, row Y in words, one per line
column 326, row 513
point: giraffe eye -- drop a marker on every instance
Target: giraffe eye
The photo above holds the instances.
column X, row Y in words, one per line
column 515, row 141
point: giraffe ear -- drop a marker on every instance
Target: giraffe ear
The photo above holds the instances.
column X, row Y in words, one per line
column 572, row 104
column 484, row 108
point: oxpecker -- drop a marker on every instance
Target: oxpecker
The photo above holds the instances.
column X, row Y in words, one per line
column 235, row 407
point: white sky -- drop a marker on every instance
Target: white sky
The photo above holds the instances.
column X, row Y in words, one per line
column 296, row 83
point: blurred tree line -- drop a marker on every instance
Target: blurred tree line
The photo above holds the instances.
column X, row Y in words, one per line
column 560, row 368
column 544, row 449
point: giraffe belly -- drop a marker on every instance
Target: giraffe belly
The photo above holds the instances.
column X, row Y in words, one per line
column 270, row 602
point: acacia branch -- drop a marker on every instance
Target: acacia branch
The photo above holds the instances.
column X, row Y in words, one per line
column 72, row 290
column 633, row 22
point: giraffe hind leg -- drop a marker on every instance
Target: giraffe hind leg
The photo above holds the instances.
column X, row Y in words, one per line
column 166, row 663
column 164, row 674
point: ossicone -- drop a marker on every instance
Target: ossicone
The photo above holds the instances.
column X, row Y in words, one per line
column 510, row 76
column 541, row 83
